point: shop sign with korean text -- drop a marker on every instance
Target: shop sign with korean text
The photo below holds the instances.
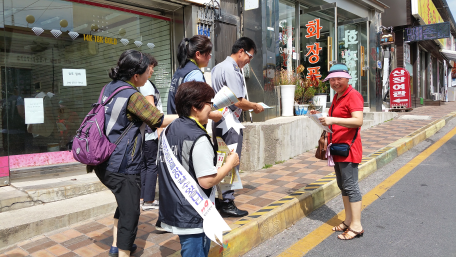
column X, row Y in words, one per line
column 400, row 96
column 426, row 13
column 313, row 51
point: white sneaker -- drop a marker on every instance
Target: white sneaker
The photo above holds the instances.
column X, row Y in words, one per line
column 150, row 206
column 161, row 229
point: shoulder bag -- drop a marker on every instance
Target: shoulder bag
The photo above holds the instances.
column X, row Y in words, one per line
column 341, row 149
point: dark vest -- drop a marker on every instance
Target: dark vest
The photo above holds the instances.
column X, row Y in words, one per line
column 127, row 157
column 178, row 78
column 174, row 209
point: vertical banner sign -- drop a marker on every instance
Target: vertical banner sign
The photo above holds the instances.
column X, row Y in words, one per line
column 350, row 55
column 313, row 51
column 400, row 96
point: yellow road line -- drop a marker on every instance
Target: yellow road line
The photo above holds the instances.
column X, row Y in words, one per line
column 307, row 243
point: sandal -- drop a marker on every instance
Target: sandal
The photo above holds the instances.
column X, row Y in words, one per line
column 346, row 236
column 339, row 228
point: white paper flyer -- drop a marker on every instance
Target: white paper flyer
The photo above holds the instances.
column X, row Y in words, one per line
column 316, row 117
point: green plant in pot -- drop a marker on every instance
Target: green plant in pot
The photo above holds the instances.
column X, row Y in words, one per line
column 321, row 94
column 305, row 90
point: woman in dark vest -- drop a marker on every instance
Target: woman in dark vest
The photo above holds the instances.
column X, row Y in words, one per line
column 192, row 147
column 193, row 54
column 128, row 109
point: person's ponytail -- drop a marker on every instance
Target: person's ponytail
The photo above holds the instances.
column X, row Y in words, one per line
column 189, row 46
column 182, row 52
column 131, row 62
column 113, row 73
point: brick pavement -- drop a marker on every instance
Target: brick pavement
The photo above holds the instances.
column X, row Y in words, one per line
column 94, row 237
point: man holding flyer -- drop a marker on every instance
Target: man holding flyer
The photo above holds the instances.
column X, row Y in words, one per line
column 228, row 73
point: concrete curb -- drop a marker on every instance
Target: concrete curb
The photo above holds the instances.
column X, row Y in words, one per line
column 278, row 216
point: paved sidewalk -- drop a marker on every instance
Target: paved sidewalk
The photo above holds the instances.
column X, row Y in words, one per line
column 94, row 237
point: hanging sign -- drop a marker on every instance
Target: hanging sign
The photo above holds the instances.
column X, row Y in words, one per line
column 400, row 96
column 428, row 32
column 313, row 51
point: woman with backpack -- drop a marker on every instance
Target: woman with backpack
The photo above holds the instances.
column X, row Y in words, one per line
column 125, row 114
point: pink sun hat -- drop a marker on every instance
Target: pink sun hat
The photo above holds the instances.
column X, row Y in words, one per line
column 339, row 70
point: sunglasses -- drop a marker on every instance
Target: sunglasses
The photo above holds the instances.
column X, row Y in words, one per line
column 250, row 56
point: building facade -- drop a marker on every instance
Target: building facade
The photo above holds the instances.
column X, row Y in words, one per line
column 316, row 34
column 56, row 55
column 428, row 62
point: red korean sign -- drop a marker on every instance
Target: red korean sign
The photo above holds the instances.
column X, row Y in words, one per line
column 400, row 96
column 313, row 51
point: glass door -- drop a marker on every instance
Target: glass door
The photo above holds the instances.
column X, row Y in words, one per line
column 352, row 50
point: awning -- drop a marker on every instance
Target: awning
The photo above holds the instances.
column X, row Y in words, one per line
column 451, row 55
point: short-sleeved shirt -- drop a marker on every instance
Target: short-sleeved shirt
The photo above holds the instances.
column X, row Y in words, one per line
column 149, row 90
column 350, row 101
column 228, row 73
column 194, row 75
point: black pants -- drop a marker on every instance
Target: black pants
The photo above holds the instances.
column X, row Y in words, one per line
column 150, row 171
column 126, row 189
column 347, row 180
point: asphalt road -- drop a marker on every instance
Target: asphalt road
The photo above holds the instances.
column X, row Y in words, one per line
column 415, row 217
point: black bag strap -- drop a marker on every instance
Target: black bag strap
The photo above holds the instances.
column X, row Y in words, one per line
column 331, row 114
column 124, row 133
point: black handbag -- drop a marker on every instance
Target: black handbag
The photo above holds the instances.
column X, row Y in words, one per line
column 342, row 149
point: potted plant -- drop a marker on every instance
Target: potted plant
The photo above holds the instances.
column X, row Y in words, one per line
column 287, row 80
column 321, row 94
column 305, row 91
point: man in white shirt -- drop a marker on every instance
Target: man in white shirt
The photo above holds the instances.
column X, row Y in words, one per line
column 228, row 73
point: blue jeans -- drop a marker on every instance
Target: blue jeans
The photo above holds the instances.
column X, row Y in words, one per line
column 196, row 245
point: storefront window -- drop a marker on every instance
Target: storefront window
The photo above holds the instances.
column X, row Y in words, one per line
column 287, row 51
column 57, row 58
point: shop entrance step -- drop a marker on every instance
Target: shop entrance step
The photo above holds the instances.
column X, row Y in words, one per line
column 19, row 225
column 29, row 193
column 47, row 172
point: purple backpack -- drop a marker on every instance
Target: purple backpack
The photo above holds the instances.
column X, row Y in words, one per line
column 90, row 145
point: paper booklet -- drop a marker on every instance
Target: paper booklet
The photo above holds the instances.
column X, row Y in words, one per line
column 316, row 117
column 262, row 104
column 224, row 98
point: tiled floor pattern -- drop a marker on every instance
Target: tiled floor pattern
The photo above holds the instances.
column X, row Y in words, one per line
column 94, row 237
